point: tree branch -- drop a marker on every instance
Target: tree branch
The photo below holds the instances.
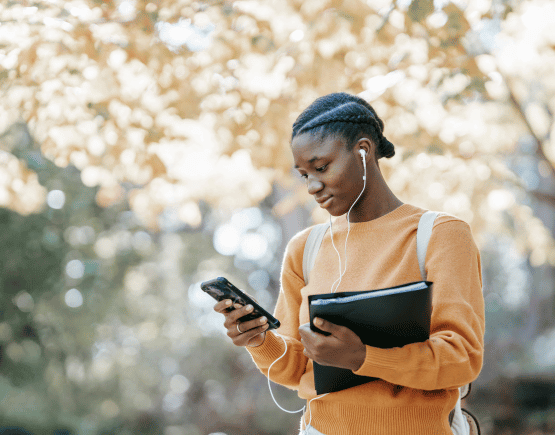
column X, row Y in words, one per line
column 544, row 197
column 520, row 110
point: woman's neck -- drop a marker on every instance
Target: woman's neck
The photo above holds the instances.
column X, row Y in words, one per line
column 376, row 202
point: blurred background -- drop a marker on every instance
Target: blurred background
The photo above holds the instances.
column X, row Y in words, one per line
column 144, row 148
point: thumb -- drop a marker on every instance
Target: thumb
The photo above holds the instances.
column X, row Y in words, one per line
column 325, row 325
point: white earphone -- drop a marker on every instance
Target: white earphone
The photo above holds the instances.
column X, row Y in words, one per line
column 363, row 155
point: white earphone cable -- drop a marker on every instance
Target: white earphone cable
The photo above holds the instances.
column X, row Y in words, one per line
column 270, row 385
column 342, row 273
column 272, row 394
column 338, row 281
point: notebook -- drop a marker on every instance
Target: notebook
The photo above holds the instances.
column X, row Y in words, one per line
column 385, row 318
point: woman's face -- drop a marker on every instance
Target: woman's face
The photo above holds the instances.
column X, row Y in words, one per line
column 332, row 172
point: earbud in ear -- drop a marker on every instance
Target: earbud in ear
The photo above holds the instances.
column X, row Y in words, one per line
column 363, row 155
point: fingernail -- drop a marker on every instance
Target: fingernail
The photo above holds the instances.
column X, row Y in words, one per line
column 263, row 320
column 318, row 321
column 249, row 307
column 228, row 302
column 265, row 326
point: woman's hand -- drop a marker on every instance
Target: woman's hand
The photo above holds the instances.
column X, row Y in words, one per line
column 343, row 348
column 251, row 333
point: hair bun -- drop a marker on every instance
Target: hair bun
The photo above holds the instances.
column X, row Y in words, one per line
column 386, row 148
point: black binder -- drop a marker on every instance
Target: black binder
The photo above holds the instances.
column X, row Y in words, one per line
column 384, row 318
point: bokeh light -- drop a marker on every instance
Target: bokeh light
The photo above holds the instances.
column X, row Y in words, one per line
column 56, row 199
column 75, row 269
column 73, row 298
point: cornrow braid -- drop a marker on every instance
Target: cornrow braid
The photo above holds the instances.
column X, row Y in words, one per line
column 347, row 116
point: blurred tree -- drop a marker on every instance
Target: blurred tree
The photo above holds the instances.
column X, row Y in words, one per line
column 134, row 92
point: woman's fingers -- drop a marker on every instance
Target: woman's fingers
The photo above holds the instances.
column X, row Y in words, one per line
column 252, row 324
column 252, row 337
column 222, row 306
column 238, row 312
column 242, row 333
column 343, row 348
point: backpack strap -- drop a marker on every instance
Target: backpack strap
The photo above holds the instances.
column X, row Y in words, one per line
column 311, row 248
column 460, row 420
column 423, row 234
column 314, row 241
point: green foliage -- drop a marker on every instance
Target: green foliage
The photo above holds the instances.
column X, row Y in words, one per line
column 420, row 9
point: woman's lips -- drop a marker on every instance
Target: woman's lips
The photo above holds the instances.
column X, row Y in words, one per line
column 324, row 202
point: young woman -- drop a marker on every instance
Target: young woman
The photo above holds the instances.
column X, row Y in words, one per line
column 335, row 142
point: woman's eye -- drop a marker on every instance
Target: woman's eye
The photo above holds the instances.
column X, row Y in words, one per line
column 318, row 169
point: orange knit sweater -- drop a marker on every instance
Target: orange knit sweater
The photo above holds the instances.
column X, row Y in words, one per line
column 418, row 383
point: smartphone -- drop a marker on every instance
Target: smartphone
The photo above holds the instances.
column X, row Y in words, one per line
column 220, row 288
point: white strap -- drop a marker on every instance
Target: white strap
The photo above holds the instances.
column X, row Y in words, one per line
column 459, row 426
column 311, row 248
column 423, row 235
column 317, row 233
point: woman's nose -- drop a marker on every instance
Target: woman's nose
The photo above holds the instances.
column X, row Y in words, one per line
column 314, row 185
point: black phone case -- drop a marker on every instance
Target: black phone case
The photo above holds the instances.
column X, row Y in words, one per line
column 220, row 288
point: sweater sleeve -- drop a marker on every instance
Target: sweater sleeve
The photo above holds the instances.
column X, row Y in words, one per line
column 292, row 361
column 453, row 354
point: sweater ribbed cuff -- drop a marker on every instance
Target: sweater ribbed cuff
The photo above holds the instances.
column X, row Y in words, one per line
column 270, row 350
column 377, row 360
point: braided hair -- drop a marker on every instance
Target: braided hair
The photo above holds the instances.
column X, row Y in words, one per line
column 347, row 116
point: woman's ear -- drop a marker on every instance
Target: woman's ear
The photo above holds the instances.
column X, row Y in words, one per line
column 366, row 145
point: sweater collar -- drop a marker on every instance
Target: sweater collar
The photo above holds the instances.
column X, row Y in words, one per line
column 405, row 210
